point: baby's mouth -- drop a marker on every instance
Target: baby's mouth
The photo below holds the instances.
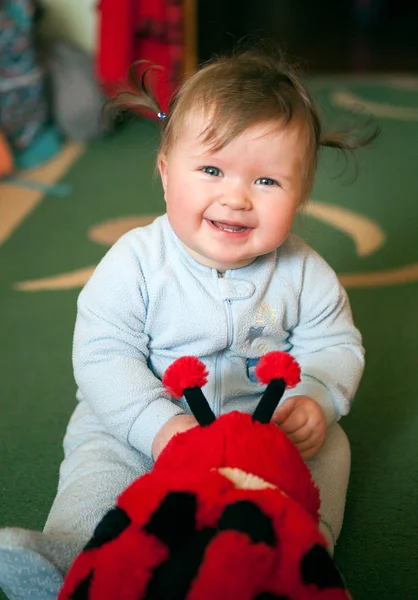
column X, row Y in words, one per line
column 230, row 227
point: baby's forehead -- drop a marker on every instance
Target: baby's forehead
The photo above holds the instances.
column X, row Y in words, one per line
column 204, row 131
column 193, row 127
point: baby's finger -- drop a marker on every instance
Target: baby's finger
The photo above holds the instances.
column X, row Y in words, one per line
column 300, row 435
column 296, row 420
column 308, row 453
column 311, row 446
column 283, row 412
column 307, row 444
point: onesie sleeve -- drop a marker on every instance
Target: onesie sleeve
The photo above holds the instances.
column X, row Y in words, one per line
column 325, row 341
column 110, row 351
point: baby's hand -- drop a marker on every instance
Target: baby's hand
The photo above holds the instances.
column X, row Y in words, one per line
column 303, row 421
column 176, row 424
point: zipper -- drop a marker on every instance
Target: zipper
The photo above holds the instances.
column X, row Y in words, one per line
column 229, row 323
column 218, row 362
column 217, row 384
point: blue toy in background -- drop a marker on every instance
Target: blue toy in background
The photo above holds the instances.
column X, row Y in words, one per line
column 24, row 114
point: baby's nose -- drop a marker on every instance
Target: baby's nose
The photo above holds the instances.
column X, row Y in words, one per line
column 237, row 198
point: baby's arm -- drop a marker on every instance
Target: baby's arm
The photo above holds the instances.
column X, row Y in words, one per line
column 326, row 344
column 111, row 351
column 176, row 424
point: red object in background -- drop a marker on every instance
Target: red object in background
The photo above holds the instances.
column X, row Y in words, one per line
column 131, row 30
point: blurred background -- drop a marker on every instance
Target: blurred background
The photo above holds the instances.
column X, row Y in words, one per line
column 347, row 35
column 343, row 35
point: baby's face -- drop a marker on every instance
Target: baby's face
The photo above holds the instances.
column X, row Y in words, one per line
column 230, row 206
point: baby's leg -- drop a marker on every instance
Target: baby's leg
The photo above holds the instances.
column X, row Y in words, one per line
column 95, row 470
column 330, row 470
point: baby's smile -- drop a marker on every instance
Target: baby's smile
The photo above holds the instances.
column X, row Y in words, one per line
column 228, row 226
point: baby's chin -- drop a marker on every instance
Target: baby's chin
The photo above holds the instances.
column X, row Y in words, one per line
column 214, row 263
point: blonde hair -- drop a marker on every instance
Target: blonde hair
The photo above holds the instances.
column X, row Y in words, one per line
column 235, row 92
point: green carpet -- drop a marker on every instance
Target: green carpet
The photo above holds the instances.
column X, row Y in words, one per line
column 378, row 549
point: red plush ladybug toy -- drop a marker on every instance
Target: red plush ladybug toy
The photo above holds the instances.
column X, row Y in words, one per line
column 229, row 511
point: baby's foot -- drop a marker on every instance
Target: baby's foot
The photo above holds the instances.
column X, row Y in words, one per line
column 26, row 569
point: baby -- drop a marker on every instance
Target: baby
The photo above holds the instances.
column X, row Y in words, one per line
column 220, row 277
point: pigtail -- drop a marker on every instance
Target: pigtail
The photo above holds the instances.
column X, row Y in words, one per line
column 348, row 140
column 139, row 95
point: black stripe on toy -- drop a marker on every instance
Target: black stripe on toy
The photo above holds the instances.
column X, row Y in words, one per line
column 174, row 521
column 109, row 528
column 269, row 401
column 199, row 406
column 246, row 517
column 317, row 568
column 82, row 590
column 173, row 579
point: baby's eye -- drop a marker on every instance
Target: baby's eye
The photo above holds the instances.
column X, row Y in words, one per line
column 267, row 181
column 214, row 171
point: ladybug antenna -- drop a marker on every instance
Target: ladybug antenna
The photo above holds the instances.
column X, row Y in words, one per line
column 185, row 377
column 279, row 371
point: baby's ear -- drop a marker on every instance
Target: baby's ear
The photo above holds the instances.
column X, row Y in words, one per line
column 162, row 168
